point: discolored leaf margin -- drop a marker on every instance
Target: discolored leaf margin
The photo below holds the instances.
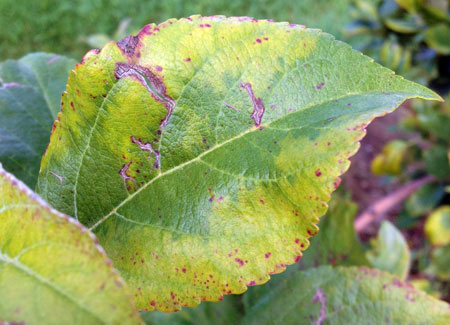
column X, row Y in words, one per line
column 203, row 150
column 52, row 269
column 336, row 243
column 343, row 295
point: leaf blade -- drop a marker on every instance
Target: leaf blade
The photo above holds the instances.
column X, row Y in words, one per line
column 52, row 269
column 203, row 145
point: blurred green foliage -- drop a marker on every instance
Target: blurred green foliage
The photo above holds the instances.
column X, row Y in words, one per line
column 390, row 251
column 411, row 37
column 62, row 26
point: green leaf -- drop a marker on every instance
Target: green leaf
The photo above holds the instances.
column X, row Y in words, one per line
column 391, row 252
column 424, row 200
column 406, row 25
column 408, row 5
column 433, row 118
column 436, row 8
column 439, row 265
column 437, row 161
column 202, row 151
column 336, row 243
column 344, row 294
column 30, row 92
column 438, row 38
column 51, row 269
column 437, row 226
column 227, row 311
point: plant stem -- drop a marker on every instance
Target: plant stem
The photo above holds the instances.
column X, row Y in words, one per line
column 377, row 210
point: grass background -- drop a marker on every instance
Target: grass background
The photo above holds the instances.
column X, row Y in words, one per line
column 58, row 26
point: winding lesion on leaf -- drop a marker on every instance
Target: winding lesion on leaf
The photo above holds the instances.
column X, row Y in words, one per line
column 258, row 106
column 124, row 175
column 319, row 296
column 147, row 147
column 60, row 178
column 151, row 82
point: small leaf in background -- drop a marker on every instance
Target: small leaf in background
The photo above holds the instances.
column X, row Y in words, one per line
column 408, row 5
column 390, row 251
column 345, row 295
column 391, row 55
column 204, row 169
column 51, row 269
column 437, row 226
column 424, row 200
column 391, row 159
column 425, row 286
column 438, row 38
column 436, row 8
column 433, row 119
column 225, row 312
column 437, row 161
column 406, row 25
column 439, row 265
column 30, row 94
column 336, row 243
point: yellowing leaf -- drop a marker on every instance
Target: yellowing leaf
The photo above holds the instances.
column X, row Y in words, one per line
column 203, row 151
column 391, row 159
column 437, row 226
column 51, row 269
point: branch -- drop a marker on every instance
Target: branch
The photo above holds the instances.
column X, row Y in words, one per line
column 377, row 210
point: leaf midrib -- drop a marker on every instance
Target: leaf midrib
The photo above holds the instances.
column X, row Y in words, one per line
column 169, row 171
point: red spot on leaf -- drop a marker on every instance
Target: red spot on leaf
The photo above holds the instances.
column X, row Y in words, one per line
column 319, row 86
column 238, row 260
column 318, row 173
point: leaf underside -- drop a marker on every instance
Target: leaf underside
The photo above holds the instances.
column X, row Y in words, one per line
column 51, row 269
column 202, row 151
column 30, row 92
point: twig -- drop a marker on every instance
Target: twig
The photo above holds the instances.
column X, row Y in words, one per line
column 378, row 209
